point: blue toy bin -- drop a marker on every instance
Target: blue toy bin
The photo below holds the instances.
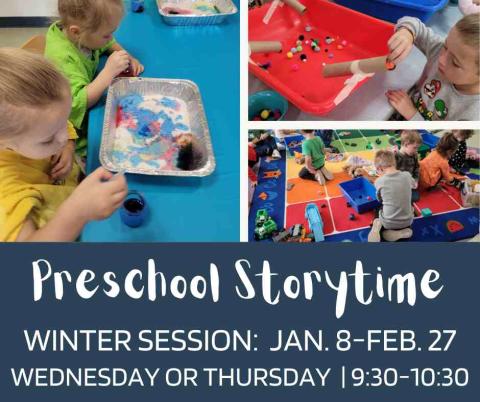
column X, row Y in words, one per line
column 393, row 10
column 357, row 191
column 266, row 100
column 429, row 140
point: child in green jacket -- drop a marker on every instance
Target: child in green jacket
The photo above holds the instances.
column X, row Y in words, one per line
column 76, row 42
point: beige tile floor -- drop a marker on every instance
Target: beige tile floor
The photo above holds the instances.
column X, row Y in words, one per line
column 16, row 37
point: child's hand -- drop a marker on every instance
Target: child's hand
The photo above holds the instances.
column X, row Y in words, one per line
column 402, row 103
column 117, row 63
column 99, row 195
column 62, row 162
column 456, row 183
column 136, row 67
column 400, row 45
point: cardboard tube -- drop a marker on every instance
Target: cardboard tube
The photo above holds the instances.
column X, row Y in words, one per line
column 271, row 10
column 363, row 66
column 265, row 47
column 296, row 5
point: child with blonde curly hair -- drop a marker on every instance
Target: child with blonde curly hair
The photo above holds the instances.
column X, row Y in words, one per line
column 76, row 42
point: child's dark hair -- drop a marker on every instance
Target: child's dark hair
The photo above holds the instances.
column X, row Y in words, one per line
column 308, row 131
column 447, row 143
column 466, row 134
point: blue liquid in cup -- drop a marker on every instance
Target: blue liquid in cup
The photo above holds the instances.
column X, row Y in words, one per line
column 134, row 210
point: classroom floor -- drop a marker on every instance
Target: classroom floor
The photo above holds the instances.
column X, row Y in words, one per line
column 450, row 220
column 16, row 37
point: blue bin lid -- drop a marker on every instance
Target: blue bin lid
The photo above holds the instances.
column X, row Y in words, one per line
column 424, row 5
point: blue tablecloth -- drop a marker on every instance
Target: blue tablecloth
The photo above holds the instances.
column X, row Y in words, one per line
column 183, row 209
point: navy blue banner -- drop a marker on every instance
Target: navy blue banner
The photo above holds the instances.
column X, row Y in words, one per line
column 231, row 322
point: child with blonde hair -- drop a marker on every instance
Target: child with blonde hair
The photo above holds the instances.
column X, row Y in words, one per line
column 76, row 42
column 449, row 88
column 394, row 192
column 434, row 167
column 35, row 103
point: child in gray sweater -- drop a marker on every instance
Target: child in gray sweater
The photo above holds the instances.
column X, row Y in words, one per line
column 449, row 88
column 394, row 191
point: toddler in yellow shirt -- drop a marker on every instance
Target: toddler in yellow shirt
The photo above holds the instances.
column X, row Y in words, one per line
column 39, row 196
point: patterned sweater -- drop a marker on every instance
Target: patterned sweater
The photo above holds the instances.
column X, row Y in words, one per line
column 407, row 163
column 457, row 161
column 434, row 97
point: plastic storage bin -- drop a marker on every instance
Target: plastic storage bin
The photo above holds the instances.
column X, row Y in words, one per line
column 430, row 140
column 360, row 193
column 393, row 10
column 302, row 83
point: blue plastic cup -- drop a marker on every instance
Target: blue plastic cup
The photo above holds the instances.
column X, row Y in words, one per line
column 134, row 209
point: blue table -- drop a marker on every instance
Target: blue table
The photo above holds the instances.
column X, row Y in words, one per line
column 183, row 209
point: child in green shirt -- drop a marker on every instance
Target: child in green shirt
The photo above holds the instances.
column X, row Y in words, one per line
column 76, row 42
column 313, row 151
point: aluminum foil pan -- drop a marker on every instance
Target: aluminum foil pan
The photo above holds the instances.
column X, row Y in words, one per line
column 156, row 127
column 223, row 8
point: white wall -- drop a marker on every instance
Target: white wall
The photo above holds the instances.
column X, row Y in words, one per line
column 28, row 8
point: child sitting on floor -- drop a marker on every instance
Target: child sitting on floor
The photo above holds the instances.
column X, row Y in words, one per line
column 264, row 144
column 458, row 161
column 449, row 88
column 434, row 167
column 76, row 42
column 407, row 157
column 35, row 104
column 394, row 191
column 313, row 150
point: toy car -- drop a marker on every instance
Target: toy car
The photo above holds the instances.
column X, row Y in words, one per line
column 315, row 221
column 266, row 230
column 296, row 230
column 261, row 218
column 281, row 237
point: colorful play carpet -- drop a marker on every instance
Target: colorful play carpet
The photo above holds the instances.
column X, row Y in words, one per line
column 449, row 220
